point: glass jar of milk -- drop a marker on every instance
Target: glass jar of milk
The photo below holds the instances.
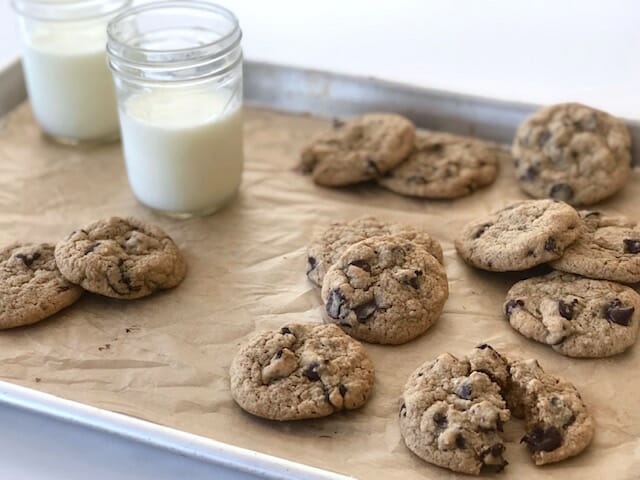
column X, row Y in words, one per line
column 177, row 66
column 65, row 66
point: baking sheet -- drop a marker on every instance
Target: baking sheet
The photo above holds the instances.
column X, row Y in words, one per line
column 165, row 358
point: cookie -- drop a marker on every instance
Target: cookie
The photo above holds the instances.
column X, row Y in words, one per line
column 31, row 287
column 452, row 412
column 326, row 247
column 443, row 165
column 385, row 290
column 572, row 153
column 360, row 149
column 558, row 423
column 519, row 236
column 301, row 371
column 608, row 248
column 577, row 316
column 121, row 258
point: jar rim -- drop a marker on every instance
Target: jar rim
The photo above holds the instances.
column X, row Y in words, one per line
column 208, row 58
column 70, row 10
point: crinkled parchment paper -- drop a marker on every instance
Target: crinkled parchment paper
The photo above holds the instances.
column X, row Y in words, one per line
column 165, row 358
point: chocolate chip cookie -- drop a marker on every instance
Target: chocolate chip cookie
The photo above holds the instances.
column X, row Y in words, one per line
column 577, row 316
column 519, row 236
column 443, row 165
column 608, row 247
column 385, row 290
column 121, row 258
column 31, row 287
column 573, row 153
column 301, row 371
column 452, row 411
column 360, row 149
column 326, row 247
column 558, row 423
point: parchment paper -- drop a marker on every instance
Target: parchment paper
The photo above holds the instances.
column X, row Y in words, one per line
column 165, row 358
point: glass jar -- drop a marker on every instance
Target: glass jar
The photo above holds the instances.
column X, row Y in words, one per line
column 177, row 67
column 64, row 61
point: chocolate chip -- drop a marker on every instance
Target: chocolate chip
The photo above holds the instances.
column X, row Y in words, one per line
column 482, row 346
column 416, row 180
column 550, row 244
column 570, row 422
column 91, row 248
column 464, row 391
column 631, row 245
column 285, row 331
column 418, row 273
column 28, row 259
column 337, row 123
column 361, row 264
column 372, row 166
column 592, row 214
column 335, row 302
column 440, row 420
column 566, row 309
column 511, row 306
column 278, row 354
column 478, row 233
column 543, row 439
column 460, row 443
column 562, row 192
column 544, row 137
column 412, row 281
column 312, row 263
column 617, row 313
column 531, row 174
column 342, row 389
column 364, row 311
column 492, row 457
column 403, row 410
column 311, row 372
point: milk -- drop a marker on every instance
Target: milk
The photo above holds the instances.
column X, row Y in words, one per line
column 183, row 149
column 69, row 83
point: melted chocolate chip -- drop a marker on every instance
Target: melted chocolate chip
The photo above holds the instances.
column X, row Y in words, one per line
column 364, row 311
column 342, row 389
column 511, row 306
column 335, row 302
column 478, row 233
column 285, row 331
column 440, row 420
column 311, row 372
column 562, row 192
column 617, row 313
column 631, row 245
column 550, row 244
column 464, row 391
column 312, row 263
column 543, row 439
column 566, row 309
column 361, row 264
column 460, row 442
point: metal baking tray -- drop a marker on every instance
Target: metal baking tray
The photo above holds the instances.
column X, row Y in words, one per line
column 75, row 441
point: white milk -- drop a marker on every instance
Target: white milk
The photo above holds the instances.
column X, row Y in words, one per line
column 183, row 149
column 70, row 85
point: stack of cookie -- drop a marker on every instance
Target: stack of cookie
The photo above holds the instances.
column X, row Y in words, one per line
column 386, row 147
column 117, row 257
column 580, row 310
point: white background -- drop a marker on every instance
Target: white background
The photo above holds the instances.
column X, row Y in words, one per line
column 531, row 50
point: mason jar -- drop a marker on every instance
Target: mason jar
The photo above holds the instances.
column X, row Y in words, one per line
column 65, row 66
column 177, row 67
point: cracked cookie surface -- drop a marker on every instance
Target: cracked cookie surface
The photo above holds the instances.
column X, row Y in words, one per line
column 326, row 247
column 31, row 286
column 301, row 371
column 121, row 258
column 520, row 236
column 577, row 316
column 360, row 149
column 607, row 248
column 558, row 423
column 385, row 290
column 443, row 165
column 452, row 411
column 573, row 153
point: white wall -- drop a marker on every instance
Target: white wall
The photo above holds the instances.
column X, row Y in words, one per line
column 531, row 50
